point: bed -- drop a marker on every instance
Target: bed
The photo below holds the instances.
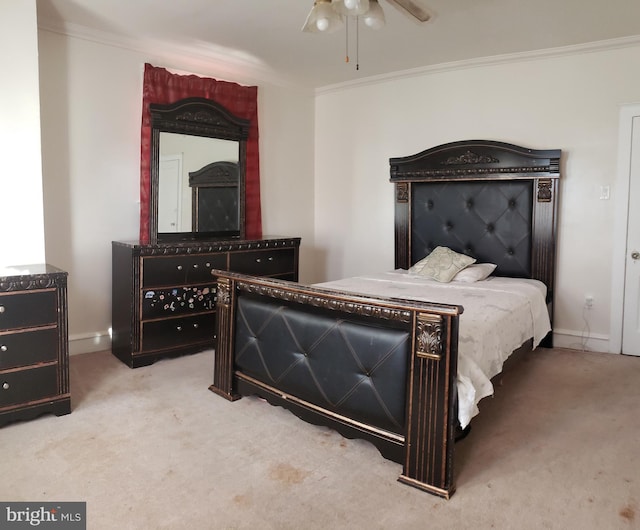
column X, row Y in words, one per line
column 377, row 357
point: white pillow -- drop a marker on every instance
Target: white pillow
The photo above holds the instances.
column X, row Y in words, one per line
column 442, row 264
column 475, row 273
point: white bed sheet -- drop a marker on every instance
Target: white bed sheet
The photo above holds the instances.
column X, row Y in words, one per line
column 500, row 315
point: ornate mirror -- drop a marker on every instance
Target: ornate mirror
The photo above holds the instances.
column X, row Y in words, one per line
column 198, row 164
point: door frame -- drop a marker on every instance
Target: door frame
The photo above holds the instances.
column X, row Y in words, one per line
column 621, row 195
column 178, row 157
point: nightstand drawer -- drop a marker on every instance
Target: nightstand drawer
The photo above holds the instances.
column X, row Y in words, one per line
column 263, row 262
column 173, row 301
column 28, row 347
column 24, row 386
column 28, row 309
column 177, row 270
column 172, row 332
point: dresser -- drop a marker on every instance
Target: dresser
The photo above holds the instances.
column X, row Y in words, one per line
column 34, row 348
column 164, row 294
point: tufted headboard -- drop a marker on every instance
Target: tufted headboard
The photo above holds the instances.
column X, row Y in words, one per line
column 491, row 200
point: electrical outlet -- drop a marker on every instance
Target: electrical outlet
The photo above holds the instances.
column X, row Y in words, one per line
column 588, row 301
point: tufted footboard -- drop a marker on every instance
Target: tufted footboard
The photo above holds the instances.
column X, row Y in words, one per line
column 378, row 369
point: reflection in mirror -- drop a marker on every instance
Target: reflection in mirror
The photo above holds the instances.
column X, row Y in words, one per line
column 198, row 166
column 191, row 199
column 216, row 197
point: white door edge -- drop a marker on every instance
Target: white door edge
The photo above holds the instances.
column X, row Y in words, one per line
column 625, row 128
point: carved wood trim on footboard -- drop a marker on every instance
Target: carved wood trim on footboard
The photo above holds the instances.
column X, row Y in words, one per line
column 424, row 440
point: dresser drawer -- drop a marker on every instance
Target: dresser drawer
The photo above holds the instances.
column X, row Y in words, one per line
column 177, row 270
column 172, row 301
column 291, row 276
column 28, row 309
column 28, row 347
column 263, row 262
column 152, row 285
column 173, row 332
column 23, row 386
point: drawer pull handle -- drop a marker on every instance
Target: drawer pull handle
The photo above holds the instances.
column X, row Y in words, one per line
column 1, row 309
column 179, row 328
column 270, row 258
column 5, row 386
column 195, row 265
column 3, row 347
column 258, row 260
column 179, row 267
column 195, row 326
column 207, row 264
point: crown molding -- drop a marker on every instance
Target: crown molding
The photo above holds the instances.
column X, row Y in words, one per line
column 232, row 65
column 563, row 51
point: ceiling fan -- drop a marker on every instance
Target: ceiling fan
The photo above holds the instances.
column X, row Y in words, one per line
column 412, row 8
column 327, row 16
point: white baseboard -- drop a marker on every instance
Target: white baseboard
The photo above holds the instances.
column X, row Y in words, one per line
column 577, row 340
column 89, row 342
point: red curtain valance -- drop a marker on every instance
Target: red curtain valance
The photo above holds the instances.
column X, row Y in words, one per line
column 161, row 86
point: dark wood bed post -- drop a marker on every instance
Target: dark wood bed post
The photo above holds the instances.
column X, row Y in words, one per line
column 402, row 239
column 544, row 227
column 224, row 359
column 431, row 406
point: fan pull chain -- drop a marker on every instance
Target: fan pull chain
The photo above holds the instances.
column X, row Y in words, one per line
column 346, row 58
column 346, row 42
column 357, row 43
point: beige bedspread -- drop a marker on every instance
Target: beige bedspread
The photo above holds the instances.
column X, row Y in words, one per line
column 500, row 314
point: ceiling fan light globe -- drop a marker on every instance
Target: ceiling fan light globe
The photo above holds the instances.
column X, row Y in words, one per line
column 322, row 24
column 374, row 24
column 350, row 7
column 374, row 18
column 322, row 18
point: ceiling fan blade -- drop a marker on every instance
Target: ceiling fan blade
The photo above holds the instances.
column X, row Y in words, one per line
column 412, row 8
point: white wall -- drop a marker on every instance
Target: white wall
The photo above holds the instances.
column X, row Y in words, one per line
column 91, row 94
column 21, row 218
column 569, row 102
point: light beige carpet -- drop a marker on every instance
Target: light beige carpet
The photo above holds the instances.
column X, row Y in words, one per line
column 150, row 448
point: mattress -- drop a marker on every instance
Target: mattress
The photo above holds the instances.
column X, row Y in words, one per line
column 500, row 315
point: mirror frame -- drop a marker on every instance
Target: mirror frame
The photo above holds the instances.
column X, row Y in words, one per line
column 195, row 117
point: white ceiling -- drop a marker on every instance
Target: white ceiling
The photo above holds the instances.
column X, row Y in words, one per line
column 264, row 35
